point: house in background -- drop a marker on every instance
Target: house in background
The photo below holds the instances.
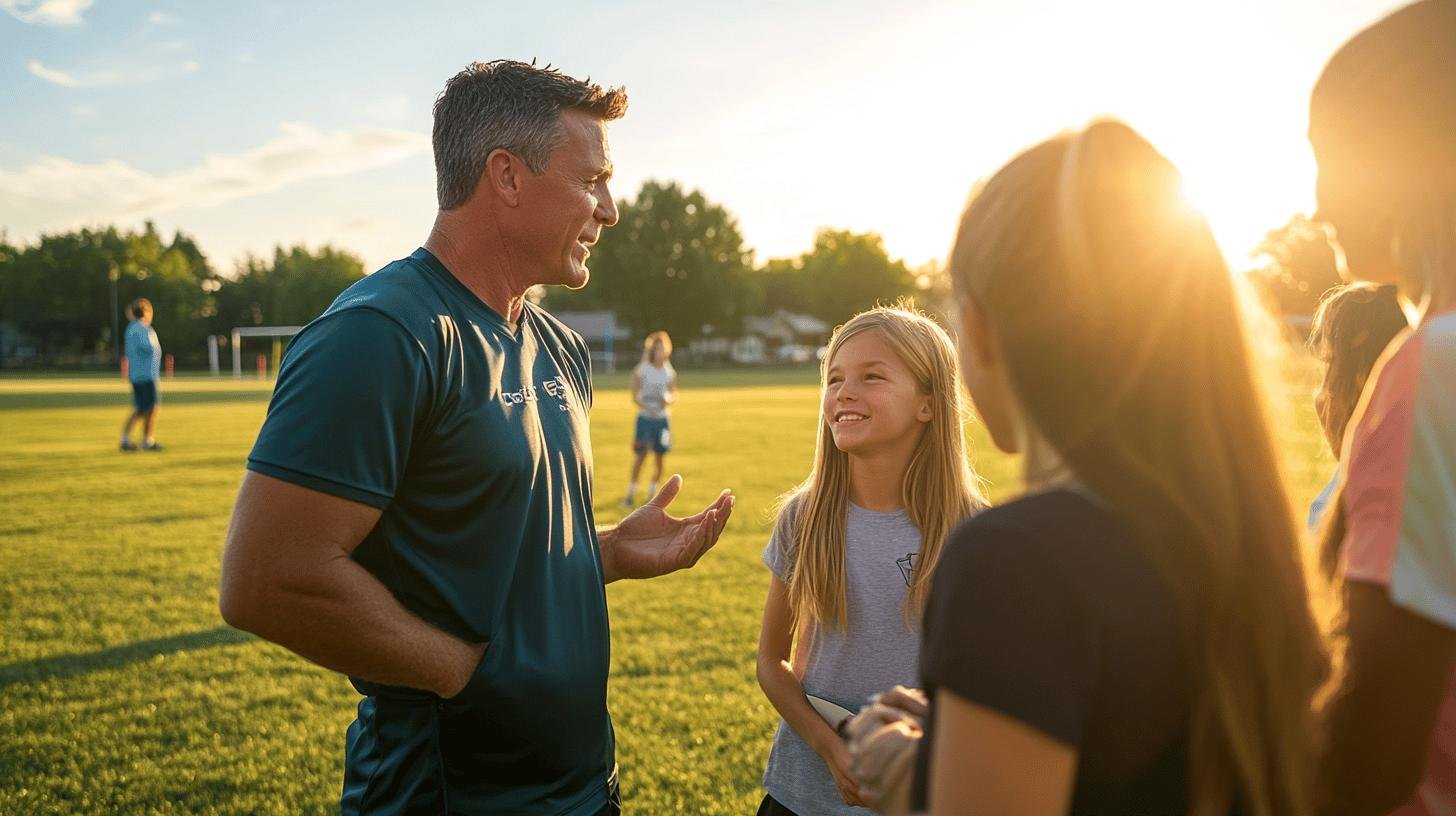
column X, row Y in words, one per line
column 782, row 337
column 606, row 338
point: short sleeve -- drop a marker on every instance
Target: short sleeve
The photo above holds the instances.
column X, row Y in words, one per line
column 1400, row 493
column 1006, row 629
column 352, row 389
column 782, row 547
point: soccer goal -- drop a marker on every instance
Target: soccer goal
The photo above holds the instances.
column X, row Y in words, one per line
column 278, row 333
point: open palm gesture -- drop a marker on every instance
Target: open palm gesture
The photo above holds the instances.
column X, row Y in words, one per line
column 649, row 542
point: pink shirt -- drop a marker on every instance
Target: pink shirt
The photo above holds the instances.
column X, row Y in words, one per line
column 1400, row 505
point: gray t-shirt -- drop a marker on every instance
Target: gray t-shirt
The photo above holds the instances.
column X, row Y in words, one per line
column 875, row 652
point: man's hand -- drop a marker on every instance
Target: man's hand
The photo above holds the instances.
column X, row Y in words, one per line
column 649, row 542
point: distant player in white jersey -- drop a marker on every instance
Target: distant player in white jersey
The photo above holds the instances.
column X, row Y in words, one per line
column 654, row 387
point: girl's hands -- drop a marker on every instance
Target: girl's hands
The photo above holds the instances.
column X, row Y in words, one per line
column 841, row 763
column 883, row 739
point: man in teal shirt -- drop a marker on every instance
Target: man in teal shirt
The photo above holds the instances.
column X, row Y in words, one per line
column 417, row 511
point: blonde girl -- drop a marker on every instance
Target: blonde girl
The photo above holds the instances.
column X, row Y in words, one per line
column 653, row 389
column 855, row 546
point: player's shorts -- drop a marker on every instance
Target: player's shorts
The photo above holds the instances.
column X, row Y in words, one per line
column 144, row 395
column 652, row 435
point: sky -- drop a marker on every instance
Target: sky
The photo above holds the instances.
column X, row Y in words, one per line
column 250, row 124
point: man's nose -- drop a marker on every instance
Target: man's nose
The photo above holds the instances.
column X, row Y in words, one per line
column 606, row 212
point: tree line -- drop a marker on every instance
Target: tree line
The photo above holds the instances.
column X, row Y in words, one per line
column 675, row 261
column 57, row 295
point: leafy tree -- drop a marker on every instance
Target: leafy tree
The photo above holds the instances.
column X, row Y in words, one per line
column 846, row 272
column 58, row 292
column 674, row 261
column 292, row 289
column 1299, row 267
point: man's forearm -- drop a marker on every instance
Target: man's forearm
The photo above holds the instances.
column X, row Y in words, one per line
column 339, row 616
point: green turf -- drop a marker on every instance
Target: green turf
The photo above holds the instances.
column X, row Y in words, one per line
column 122, row 691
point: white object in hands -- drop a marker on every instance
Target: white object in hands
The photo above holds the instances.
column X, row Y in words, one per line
column 832, row 712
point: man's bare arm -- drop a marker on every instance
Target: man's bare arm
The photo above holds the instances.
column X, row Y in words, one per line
column 287, row 576
column 1398, row 665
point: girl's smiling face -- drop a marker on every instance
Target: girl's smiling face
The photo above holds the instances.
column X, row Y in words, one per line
column 872, row 402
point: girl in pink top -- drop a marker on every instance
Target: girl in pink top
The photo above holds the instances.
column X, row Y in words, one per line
column 1383, row 128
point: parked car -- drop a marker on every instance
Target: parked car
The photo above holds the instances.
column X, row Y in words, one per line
column 795, row 355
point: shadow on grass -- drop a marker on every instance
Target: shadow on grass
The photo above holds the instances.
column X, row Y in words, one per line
column 72, row 665
column 120, row 400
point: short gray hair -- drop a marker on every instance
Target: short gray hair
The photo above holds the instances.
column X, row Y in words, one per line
column 510, row 105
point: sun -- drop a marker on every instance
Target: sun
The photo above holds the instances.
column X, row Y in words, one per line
column 1246, row 196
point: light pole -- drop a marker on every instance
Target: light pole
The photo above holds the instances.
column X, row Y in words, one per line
column 113, row 274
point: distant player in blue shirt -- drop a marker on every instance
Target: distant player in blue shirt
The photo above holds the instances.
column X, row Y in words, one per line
column 417, row 511
column 144, row 369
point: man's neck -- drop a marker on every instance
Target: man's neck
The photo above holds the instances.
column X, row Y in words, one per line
column 480, row 261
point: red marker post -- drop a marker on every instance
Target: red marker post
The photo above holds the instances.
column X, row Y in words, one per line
column 262, row 366
column 170, row 364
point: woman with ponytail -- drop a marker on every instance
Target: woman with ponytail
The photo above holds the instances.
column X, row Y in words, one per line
column 1133, row 635
column 1383, row 126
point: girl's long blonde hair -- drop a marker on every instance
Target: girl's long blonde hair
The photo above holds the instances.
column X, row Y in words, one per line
column 938, row 491
column 657, row 338
column 1124, row 341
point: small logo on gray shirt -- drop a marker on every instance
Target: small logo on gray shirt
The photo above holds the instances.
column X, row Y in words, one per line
column 907, row 566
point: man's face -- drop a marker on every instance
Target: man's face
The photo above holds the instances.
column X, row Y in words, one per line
column 1348, row 199
column 565, row 209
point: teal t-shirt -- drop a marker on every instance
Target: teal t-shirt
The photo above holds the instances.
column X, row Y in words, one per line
column 411, row 395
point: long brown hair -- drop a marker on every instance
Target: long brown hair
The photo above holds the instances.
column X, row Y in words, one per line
column 1125, row 344
column 938, row 491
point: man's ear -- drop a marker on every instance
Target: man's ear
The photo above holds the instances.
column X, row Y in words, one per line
column 502, row 177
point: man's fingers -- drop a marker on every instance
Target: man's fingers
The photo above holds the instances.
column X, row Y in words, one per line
column 725, row 509
column 667, row 493
column 705, row 536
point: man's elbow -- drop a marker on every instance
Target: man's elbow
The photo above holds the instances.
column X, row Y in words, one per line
column 240, row 600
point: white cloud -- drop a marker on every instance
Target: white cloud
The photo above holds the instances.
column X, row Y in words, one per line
column 52, row 75
column 111, row 77
column 49, row 12
column 159, row 18
column 115, row 189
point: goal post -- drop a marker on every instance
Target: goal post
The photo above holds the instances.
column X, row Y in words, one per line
column 276, row 332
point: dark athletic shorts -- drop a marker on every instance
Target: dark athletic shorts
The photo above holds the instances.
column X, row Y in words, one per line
column 771, row 807
column 652, row 435
column 144, row 395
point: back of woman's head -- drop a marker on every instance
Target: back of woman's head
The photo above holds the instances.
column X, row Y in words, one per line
column 1353, row 325
column 939, row 488
column 1122, row 337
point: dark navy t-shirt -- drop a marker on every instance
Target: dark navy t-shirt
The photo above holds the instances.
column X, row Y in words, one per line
column 1043, row 610
column 409, row 394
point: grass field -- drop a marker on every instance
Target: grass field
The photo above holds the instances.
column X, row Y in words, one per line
column 122, row 691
